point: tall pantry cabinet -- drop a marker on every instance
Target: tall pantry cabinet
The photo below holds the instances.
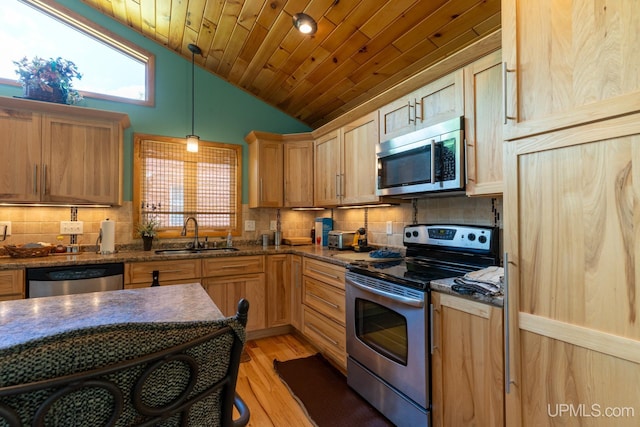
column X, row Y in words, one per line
column 572, row 213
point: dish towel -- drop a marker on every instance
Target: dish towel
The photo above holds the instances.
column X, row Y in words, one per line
column 487, row 281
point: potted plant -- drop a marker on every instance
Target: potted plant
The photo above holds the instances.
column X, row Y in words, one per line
column 48, row 79
column 148, row 229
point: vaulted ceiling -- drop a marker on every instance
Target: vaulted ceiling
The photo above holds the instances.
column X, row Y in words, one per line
column 361, row 49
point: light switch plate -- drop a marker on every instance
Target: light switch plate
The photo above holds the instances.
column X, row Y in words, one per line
column 71, row 227
column 2, row 224
column 249, row 225
column 273, row 225
column 389, row 228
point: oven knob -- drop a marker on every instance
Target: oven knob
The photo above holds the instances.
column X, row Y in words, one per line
column 471, row 237
column 408, row 234
column 415, row 233
column 482, row 239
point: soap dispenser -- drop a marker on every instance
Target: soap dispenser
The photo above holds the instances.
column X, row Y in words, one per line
column 229, row 240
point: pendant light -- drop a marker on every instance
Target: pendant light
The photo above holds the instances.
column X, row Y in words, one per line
column 192, row 140
column 304, row 23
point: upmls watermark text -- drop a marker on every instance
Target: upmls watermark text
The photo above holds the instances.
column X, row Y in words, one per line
column 589, row 411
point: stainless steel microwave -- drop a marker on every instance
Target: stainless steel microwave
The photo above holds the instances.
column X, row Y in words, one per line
column 429, row 160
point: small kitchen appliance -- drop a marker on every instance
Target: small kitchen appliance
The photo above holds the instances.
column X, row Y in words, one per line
column 323, row 226
column 388, row 317
column 340, row 240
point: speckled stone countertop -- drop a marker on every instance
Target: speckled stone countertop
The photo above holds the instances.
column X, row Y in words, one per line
column 24, row 320
column 313, row 251
column 444, row 286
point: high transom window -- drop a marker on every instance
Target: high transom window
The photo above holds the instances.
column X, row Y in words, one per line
column 172, row 184
column 112, row 67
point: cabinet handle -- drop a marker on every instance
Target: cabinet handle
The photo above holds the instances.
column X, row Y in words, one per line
column 342, row 185
column 35, row 179
column 505, row 70
column 415, row 111
column 466, row 164
column 168, row 271
column 337, row 185
column 322, row 334
column 232, row 266
column 319, row 298
column 507, row 363
column 409, row 106
column 44, row 179
column 333, row 276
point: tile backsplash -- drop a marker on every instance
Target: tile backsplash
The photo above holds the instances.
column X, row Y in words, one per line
column 35, row 224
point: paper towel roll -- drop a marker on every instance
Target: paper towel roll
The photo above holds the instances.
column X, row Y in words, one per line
column 108, row 237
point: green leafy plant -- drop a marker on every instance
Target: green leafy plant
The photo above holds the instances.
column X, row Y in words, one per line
column 148, row 228
column 50, row 74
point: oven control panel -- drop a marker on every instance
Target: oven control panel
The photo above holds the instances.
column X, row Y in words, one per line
column 452, row 236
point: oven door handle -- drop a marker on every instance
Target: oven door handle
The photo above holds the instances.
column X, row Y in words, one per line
column 412, row 302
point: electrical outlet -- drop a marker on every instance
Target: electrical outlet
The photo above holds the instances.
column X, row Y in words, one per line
column 249, row 225
column 389, row 228
column 71, row 227
column 2, row 224
column 273, row 225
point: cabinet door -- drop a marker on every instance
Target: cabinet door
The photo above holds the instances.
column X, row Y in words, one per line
column 278, row 291
column 20, row 168
column 265, row 174
column 571, row 203
column 397, row 118
column 440, row 100
column 327, row 176
column 11, row 284
column 359, row 140
column 228, row 290
column 483, row 130
column 81, row 161
column 298, row 174
column 296, row 291
column 467, row 363
column 569, row 62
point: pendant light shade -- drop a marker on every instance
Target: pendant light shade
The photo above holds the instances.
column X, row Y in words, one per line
column 192, row 140
column 304, row 23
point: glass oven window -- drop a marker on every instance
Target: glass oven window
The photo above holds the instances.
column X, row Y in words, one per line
column 382, row 329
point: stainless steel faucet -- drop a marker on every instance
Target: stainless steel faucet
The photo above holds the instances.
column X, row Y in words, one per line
column 196, row 244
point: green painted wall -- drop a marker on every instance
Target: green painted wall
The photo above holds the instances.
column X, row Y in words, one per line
column 224, row 113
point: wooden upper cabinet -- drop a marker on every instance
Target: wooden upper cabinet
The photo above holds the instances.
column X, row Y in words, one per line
column 57, row 153
column 568, row 63
column 438, row 101
column 483, row 127
column 359, row 163
column 298, row 170
column 327, row 157
column 265, row 170
column 280, row 170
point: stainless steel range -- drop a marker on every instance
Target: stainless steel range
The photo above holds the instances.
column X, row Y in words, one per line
column 388, row 325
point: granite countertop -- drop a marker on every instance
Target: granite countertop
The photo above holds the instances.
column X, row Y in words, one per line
column 444, row 286
column 27, row 319
column 313, row 251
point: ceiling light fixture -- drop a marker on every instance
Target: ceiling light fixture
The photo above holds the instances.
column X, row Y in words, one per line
column 192, row 140
column 304, row 23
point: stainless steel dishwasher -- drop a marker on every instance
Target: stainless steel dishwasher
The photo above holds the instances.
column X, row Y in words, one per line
column 74, row 279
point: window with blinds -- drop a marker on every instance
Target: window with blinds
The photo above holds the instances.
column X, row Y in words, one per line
column 172, row 184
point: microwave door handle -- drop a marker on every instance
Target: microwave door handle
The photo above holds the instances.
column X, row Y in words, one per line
column 433, row 161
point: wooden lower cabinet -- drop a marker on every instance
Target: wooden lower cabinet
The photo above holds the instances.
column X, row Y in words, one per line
column 11, row 284
column 140, row 274
column 323, row 309
column 278, row 290
column 467, row 363
column 226, row 291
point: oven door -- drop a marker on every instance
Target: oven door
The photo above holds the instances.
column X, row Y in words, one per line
column 387, row 330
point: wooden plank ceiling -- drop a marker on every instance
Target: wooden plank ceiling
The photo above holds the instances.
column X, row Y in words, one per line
column 361, row 49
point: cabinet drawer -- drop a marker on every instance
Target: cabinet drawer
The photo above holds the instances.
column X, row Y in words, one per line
column 11, row 282
column 325, row 334
column 325, row 299
column 226, row 266
column 187, row 270
column 325, row 272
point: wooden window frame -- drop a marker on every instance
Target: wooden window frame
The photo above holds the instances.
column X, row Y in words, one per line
column 174, row 231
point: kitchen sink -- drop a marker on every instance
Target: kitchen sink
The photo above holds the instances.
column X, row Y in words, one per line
column 183, row 251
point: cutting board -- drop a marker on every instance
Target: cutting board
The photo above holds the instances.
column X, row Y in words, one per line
column 362, row 257
column 293, row 241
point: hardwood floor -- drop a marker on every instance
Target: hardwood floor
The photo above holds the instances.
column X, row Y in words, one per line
column 268, row 399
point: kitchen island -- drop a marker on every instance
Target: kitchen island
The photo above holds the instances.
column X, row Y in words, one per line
column 25, row 320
